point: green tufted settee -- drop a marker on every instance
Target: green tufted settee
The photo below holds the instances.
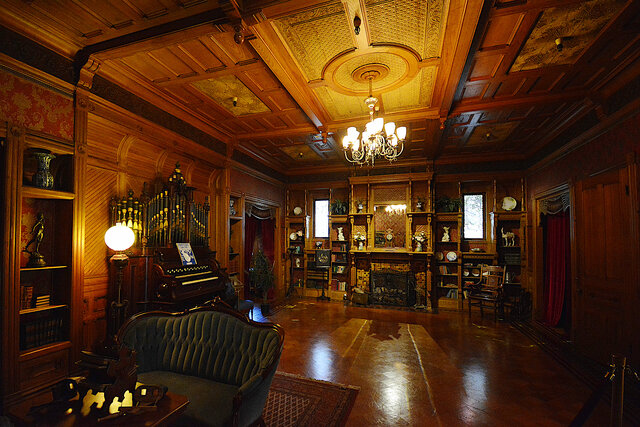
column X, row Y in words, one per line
column 223, row 362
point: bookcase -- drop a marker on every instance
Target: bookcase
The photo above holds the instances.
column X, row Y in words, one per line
column 236, row 237
column 41, row 295
column 295, row 235
column 340, row 237
column 447, row 275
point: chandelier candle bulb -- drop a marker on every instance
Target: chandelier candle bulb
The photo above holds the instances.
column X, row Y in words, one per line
column 390, row 128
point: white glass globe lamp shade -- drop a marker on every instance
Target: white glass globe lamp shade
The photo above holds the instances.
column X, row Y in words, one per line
column 402, row 132
column 119, row 237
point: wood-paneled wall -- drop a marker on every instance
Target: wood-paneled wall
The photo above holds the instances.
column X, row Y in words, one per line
column 610, row 154
column 123, row 153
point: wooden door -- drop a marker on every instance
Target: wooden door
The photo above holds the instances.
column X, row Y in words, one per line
column 604, row 258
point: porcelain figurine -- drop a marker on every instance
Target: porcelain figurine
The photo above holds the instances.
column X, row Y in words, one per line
column 340, row 234
column 445, row 236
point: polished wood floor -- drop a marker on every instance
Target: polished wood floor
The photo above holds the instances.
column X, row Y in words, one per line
column 422, row 369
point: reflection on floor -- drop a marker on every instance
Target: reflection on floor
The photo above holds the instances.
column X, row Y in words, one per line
column 425, row 369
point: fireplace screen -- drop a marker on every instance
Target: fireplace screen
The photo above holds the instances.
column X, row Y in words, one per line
column 389, row 287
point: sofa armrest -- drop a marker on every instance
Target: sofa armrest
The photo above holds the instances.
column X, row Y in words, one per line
column 252, row 396
column 248, row 387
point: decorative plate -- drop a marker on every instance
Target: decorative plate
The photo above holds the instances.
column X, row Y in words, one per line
column 475, row 272
column 452, row 256
column 509, row 203
column 293, row 236
column 439, row 256
column 297, row 210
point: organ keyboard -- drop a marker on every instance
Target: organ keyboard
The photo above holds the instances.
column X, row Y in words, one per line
column 182, row 284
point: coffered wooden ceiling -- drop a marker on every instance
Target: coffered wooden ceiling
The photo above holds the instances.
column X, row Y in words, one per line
column 473, row 81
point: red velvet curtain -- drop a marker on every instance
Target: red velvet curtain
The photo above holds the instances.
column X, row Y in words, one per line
column 268, row 231
column 557, row 265
column 251, row 225
column 268, row 247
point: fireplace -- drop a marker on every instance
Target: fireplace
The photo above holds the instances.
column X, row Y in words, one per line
column 391, row 287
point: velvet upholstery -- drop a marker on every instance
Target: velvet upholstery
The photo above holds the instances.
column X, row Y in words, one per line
column 224, row 357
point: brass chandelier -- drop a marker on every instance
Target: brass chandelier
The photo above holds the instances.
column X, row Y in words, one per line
column 373, row 142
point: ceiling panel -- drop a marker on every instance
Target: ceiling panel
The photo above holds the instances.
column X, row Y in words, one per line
column 224, row 89
column 577, row 24
column 316, row 36
column 390, row 21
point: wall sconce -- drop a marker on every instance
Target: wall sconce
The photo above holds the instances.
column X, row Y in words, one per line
column 119, row 238
column 559, row 44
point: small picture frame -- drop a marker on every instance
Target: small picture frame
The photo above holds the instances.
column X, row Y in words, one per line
column 186, row 254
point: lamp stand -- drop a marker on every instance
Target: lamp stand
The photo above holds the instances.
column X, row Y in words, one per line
column 119, row 306
column 324, row 297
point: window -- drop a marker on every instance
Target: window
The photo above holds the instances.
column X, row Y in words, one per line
column 473, row 208
column 321, row 218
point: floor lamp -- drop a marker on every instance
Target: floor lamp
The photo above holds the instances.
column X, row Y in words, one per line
column 119, row 238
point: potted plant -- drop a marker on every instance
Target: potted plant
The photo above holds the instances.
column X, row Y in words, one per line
column 339, row 207
column 446, row 204
column 262, row 278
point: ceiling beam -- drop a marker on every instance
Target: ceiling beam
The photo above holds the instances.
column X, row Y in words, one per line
column 301, row 131
column 273, row 53
column 474, row 13
column 208, row 17
column 522, row 101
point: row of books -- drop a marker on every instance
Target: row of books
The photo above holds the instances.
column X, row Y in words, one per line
column 339, row 258
column 43, row 300
column 26, row 297
column 444, row 269
column 41, row 331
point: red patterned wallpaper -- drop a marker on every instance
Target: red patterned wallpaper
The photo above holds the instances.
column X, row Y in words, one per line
column 35, row 107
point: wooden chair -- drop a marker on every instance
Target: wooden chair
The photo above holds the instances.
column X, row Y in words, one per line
column 244, row 306
column 488, row 293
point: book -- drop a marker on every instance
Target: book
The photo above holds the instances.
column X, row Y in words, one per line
column 186, row 254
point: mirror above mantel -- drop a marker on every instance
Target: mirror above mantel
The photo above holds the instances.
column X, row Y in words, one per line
column 389, row 226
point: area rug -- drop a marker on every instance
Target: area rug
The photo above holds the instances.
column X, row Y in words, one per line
column 298, row 401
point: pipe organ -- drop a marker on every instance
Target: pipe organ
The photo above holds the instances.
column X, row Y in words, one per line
column 167, row 217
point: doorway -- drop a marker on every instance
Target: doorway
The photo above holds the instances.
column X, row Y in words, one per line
column 260, row 226
column 555, row 220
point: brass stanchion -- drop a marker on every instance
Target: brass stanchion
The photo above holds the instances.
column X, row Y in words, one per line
column 618, row 364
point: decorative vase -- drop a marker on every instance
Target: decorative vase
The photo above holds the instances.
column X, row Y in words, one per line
column 418, row 247
column 43, row 178
column 419, row 206
column 360, row 245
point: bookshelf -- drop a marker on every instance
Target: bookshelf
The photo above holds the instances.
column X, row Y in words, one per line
column 41, row 294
